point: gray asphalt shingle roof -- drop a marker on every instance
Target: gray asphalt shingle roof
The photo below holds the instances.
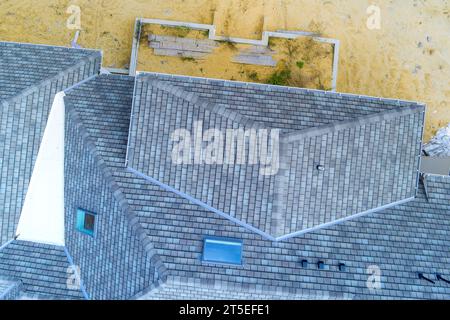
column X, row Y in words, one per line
column 360, row 174
column 30, row 76
column 402, row 240
column 25, row 65
column 118, row 261
column 281, row 107
column 42, row 269
column 437, row 189
column 368, row 146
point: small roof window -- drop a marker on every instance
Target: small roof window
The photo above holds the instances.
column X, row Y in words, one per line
column 86, row 221
column 222, row 250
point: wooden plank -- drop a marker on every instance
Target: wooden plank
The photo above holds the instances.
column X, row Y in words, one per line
column 180, row 53
column 261, row 60
column 256, row 55
column 184, row 47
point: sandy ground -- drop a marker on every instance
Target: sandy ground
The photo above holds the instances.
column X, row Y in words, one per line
column 407, row 58
column 315, row 70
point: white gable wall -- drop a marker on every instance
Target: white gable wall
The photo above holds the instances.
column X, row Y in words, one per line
column 42, row 216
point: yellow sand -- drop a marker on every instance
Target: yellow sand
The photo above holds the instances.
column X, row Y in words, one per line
column 316, row 60
column 408, row 58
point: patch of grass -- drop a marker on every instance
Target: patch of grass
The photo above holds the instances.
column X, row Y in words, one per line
column 291, row 49
column 190, row 59
column 253, row 76
column 300, row 64
column 271, row 43
column 177, row 31
column 231, row 45
column 280, row 77
column 321, row 86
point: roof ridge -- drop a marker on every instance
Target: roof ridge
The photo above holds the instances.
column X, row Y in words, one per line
column 293, row 136
column 89, row 58
column 278, row 88
column 287, row 141
column 93, row 77
column 47, row 45
column 7, row 243
column 204, row 103
column 117, row 193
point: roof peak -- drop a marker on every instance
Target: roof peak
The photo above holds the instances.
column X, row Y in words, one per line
column 294, row 195
column 195, row 99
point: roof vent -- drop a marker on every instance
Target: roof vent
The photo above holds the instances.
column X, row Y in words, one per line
column 342, row 267
column 321, row 265
column 421, row 276
column 304, row 264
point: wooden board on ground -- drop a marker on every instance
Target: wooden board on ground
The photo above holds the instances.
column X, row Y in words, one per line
column 181, row 47
column 257, row 55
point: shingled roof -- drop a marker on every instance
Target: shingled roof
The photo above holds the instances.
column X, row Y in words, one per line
column 30, row 76
column 345, row 135
column 152, row 216
column 402, row 240
column 41, row 271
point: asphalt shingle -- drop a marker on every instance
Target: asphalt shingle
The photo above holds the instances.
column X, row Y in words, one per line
column 42, row 269
column 30, row 76
column 360, row 174
column 400, row 241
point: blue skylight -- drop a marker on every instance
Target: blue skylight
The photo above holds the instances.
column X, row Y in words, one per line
column 222, row 250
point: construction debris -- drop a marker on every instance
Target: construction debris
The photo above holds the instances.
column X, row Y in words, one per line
column 257, row 55
column 439, row 146
column 181, row 47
